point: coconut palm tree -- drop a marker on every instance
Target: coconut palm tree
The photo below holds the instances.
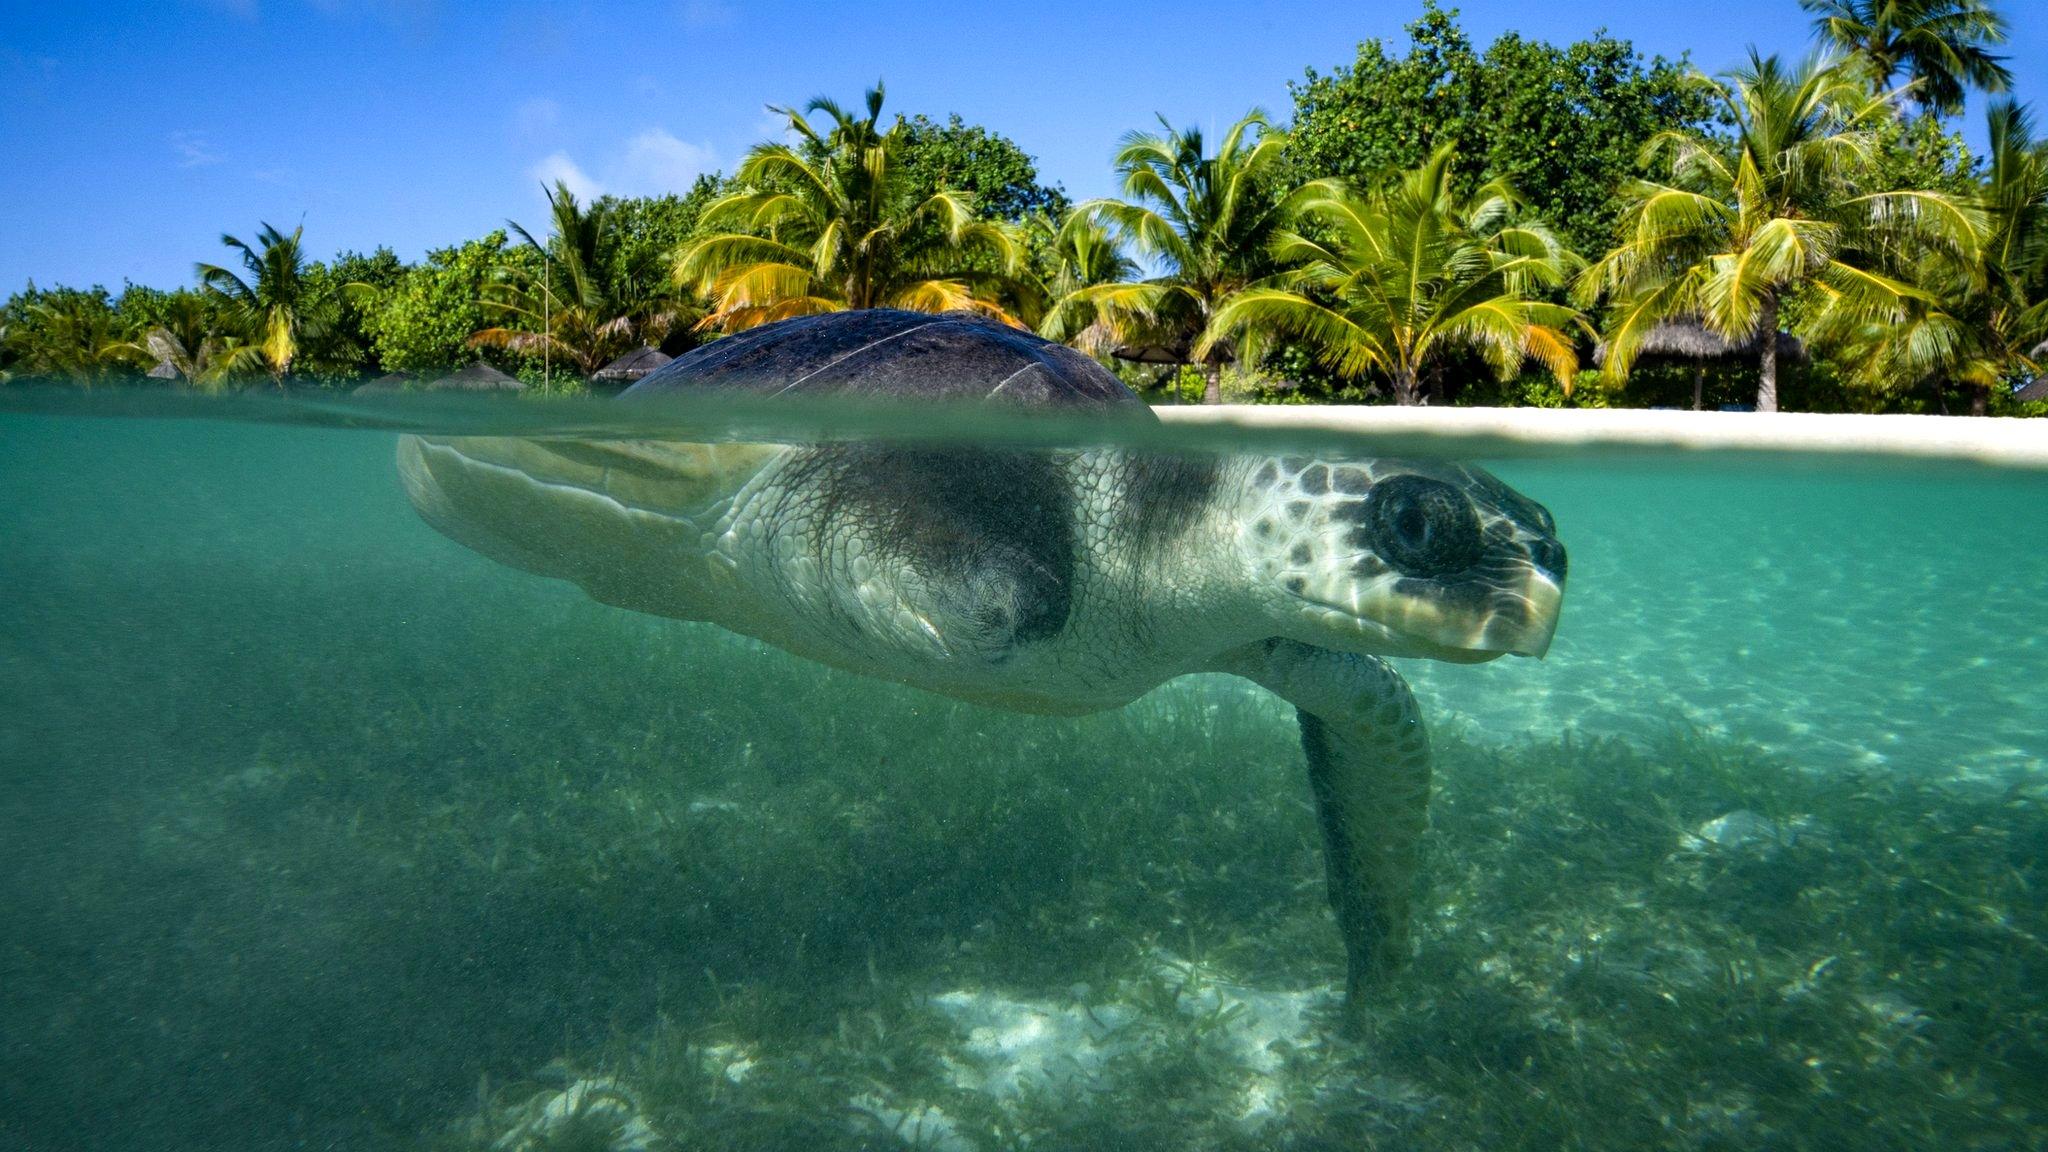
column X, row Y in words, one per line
column 1077, row 256
column 186, row 340
column 275, row 308
column 1743, row 223
column 71, row 335
column 1938, row 45
column 833, row 223
column 1391, row 281
column 1207, row 222
column 1968, row 323
column 571, row 306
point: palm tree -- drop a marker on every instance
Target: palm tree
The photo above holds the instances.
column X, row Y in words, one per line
column 833, row 223
column 1972, row 323
column 1392, row 281
column 1939, row 45
column 1077, row 256
column 69, row 334
column 1745, row 222
column 207, row 360
column 1207, row 221
column 275, row 308
column 571, row 306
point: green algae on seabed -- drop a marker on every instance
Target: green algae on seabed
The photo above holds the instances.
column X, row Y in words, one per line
column 1598, row 973
column 318, row 831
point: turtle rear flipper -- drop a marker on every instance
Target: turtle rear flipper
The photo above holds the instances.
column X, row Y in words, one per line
column 1369, row 767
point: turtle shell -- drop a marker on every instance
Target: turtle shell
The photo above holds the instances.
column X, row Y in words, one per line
column 990, row 530
column 887, row 354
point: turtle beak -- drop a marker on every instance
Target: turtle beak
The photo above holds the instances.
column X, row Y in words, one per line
column 1542, row 596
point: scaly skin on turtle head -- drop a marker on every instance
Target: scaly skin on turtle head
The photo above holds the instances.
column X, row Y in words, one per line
column 1400, row 557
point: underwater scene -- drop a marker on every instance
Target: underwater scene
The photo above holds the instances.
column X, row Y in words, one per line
column 328, row 824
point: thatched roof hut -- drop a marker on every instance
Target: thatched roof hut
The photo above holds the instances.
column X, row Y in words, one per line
column 2038, row 390
column 631, row 367
column 164, row 370
column 1687, row 339
column 478, row 377
column 1149, row 354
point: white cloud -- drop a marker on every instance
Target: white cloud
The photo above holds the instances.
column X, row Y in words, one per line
column 559, row 167
column 653, row 163
column 193, row 149
column 656, row 163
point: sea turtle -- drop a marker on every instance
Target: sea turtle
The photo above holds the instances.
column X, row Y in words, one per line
column 1060, row 582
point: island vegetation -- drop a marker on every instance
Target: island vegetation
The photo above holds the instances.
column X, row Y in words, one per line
column 1531, row 224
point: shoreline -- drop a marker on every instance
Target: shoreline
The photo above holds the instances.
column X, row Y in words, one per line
column 2010, row 442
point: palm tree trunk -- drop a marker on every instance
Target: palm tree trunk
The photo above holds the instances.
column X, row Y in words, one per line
column 1699, row 382
column 1212, row 389
column 1405, row 386
column 1767, row 369
column 1980, row 399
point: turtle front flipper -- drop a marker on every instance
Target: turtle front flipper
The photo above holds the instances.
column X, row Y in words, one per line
column 1369, row 766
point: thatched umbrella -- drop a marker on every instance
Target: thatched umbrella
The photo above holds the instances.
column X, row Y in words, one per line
column 1149, row 354
column 478, row 377
column 384, row 385
column 2037, row 389
column 630, row 367
column 1687, row 339
column 1155, row 354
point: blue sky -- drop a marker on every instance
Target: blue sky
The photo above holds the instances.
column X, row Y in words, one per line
column 135, row 134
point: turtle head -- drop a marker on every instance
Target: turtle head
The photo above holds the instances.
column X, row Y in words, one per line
column 1403, row 558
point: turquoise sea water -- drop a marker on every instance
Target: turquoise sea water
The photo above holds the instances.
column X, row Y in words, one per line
column 319, row 830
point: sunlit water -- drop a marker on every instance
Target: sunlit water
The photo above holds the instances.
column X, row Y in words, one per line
column 319, row 830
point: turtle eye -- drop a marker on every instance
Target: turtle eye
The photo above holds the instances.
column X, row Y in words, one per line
column 1423, row 527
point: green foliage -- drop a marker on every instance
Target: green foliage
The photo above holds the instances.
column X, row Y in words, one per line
column 1788, row 204
column 1001, row 177
column 1394, row 280
column 424, row 321
column 1563, row 125
column 595, row 295
column 1922, row 152
column 1972, row 316
column 69, row 333
column 346, row 347
column 644, row 233
column 1941, row 47
column 278, row 306
column 1208, row 221
column 1873, row 233
column 188, row 331
column 1000, row 181
column 841, row 220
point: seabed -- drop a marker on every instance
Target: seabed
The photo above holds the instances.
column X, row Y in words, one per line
column 315, row 825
